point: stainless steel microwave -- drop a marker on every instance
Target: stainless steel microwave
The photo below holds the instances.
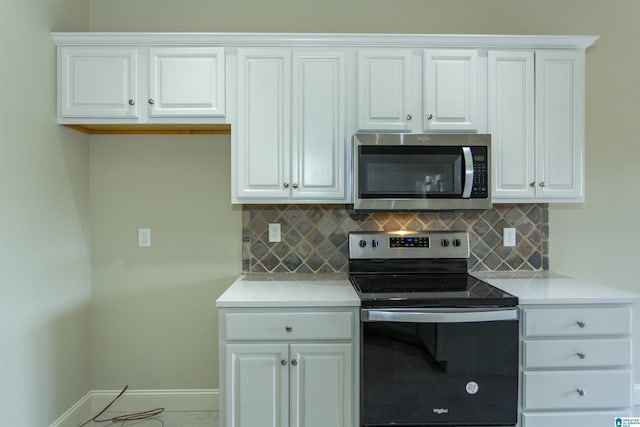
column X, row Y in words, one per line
column 421, row 172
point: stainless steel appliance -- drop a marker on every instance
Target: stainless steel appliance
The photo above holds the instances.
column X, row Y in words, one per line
column 415, row 172
column 439, row 346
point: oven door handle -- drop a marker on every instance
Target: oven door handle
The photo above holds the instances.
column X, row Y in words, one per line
column 468, row 172
column 450, row 315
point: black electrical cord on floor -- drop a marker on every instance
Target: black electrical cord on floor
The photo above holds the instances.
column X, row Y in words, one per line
column 127, row 417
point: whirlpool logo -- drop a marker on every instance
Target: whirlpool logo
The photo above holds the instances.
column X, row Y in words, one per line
column 440, row 411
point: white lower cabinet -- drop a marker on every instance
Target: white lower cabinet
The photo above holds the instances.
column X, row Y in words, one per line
column 282, row 368
column 576, row 365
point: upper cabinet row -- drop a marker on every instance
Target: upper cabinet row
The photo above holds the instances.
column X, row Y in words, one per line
column 294, row 106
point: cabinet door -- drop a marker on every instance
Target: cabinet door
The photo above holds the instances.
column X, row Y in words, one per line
column 511, row 124
column 257, row 385
column 560, row 124
column 186, row 82
column 450, row 90
column 383, row 89
column 318, row 148
column 262, row 159
column 321, row 385
column 98, row 82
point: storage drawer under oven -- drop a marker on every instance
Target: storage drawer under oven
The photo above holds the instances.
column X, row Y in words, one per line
column 577, row 321
column 577, row 353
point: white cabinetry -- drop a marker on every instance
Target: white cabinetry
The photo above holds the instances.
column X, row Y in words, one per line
column 396, row 94
column 103, row 84
column 450, row 90
column 536, row 119
column 576, row 363
column 287, row 367
column 290, row 142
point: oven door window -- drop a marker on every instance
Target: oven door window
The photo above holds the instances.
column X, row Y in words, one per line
column 410, row 172
column 418, row 374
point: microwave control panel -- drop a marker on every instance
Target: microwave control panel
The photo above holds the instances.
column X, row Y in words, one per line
column 480, row 187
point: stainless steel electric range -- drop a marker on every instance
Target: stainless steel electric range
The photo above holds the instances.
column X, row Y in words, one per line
column 439, row 346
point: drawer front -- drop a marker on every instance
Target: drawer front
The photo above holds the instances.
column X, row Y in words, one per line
column 577, row 353
column 567, row 419
column 561, row 389
column 577, row 321
column 289, row 326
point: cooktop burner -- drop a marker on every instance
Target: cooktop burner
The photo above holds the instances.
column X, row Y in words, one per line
column 418, row 270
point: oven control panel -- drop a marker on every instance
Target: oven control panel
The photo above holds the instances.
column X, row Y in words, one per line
column 408, row 244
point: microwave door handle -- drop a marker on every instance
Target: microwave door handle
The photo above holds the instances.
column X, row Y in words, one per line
column 468, row 172
column 439, row 316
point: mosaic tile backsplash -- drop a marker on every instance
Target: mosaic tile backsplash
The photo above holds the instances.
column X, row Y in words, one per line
column 315, row 237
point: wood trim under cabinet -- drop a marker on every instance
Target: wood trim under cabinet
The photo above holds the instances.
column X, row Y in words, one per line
column 158, row 129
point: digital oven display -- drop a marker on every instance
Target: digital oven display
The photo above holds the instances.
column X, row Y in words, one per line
column 408, row 242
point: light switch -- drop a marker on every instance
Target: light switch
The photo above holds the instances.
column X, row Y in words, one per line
column 509, row 237
column 144, row 237
column 275, row 233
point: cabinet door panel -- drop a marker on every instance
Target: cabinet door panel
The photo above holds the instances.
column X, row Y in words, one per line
column 560, row 124
column 262, row 166
column 186, row 82
column 321, row 385
column 511, row 122
column 98, row 82
column 450, row 89
column 257, row 385
column 383, row 89
column 318, row 169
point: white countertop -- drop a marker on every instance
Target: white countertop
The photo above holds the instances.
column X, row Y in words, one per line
column 552, row 288
column 290, row 290
column 334, row 290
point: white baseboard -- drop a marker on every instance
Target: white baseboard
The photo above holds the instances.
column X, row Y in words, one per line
column 136, row 401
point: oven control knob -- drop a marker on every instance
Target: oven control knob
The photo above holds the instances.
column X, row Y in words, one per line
column 362, row 243
column 457, row 242
column 374, row 243
column 444, row 242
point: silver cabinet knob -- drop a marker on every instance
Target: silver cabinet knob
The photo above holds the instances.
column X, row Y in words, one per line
column 294, row 362
column 285, row 185
column 581, row 355
column 288, row 328
column 543, row 184
column 295, row 185
column 132, row 102
column 283, row 362
column 151, row 101
column 580, row 391
column 409, row 117
column 581, row 323
column 532, row 184
column 429, row 116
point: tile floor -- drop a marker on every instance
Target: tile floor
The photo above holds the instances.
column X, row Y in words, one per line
column 166, row 419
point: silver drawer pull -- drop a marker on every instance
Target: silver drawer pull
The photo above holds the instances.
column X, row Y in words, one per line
column 294, row 362
column 581, row 323
column 288, row 328
column 581, row 355
column 580, row 391
column 283, row 362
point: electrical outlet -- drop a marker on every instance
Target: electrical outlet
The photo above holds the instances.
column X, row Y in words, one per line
column 144, row 237
column 509, row 237
column 275, row 234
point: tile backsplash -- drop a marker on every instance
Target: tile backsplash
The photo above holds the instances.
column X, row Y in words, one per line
column 314, row 237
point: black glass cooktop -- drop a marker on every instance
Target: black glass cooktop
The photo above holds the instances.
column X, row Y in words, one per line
column 428, row 290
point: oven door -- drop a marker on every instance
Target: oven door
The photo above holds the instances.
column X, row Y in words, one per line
column 439, row 367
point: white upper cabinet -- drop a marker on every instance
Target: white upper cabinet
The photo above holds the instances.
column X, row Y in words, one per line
column 101, row 84
column 186, row 82
column 98, row 82
column 511, row 123
column 290, row 142
column 384, row 90
column 536, row 119
column 560, row 121
column 450, row 90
